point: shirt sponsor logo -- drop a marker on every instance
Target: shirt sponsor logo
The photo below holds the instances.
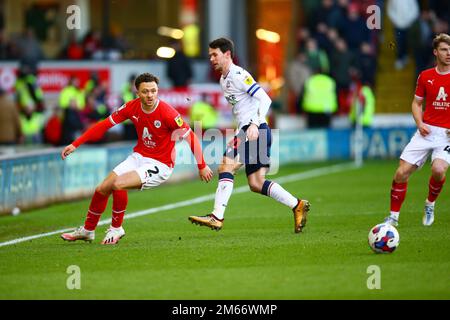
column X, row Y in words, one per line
column 231, row 99
column 442, row 95
column 441, row 100
column 147, row 138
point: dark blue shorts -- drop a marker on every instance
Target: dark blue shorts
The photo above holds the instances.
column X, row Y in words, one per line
column 254, row 154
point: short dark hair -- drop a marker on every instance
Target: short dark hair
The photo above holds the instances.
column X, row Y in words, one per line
column 223, row 44
column 442, row 37
column 145, row 77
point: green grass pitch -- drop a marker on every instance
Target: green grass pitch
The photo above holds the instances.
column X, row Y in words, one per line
column 255, row 256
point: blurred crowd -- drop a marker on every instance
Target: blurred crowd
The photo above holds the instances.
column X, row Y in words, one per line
column 30, row 121
column 27, row 120
column 333, row 71
column 334, row 68
column 415, row 25
column 96, row 46
column 93, row 46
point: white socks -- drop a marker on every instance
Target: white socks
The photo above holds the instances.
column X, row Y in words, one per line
column 395, row 215
column 270, row 189
column 223, row 194
column 277, row 192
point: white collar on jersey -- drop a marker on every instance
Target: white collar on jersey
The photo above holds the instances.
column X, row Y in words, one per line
column 229, row 70
column 157, row 104
column 442, row 73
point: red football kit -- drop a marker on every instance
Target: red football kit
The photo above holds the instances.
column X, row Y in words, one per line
column 435, row 88
column 157, row 131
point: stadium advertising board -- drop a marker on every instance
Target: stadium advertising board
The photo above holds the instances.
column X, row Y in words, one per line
column 379, row 143
column 83, row 172
column 32, row 180
column 54, row 79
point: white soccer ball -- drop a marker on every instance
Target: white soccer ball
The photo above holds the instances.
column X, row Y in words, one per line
column 384, row 238
column 15, row 211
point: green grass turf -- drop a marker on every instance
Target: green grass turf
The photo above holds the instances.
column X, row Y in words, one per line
column 255, row 256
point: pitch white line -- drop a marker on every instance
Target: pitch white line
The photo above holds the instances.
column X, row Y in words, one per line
column 289, row 178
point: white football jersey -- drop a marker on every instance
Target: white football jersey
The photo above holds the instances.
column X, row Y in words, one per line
column 239, row 89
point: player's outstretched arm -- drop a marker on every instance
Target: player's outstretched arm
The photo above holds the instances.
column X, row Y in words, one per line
column 96, row 132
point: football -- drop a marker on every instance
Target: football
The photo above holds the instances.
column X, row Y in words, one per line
column 384, row 238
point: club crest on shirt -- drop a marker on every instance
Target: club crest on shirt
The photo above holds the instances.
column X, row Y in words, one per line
column 249, row 80
column 179, row 121
column 157, row 124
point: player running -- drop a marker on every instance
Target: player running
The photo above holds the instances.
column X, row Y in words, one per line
column 158, row 126
column 251, row 144
column 432, row 136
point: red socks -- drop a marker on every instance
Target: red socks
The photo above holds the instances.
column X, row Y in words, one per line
column 434, row 188
column 120, row 201
column 398, row 194
column 96, row 208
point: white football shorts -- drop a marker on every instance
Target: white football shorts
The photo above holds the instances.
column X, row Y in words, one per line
column 419, row 148
column 152, row 172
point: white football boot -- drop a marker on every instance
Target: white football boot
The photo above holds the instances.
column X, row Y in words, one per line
column 392, row 221
column 79, row 234
column 428, row 217
column 113, row 235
